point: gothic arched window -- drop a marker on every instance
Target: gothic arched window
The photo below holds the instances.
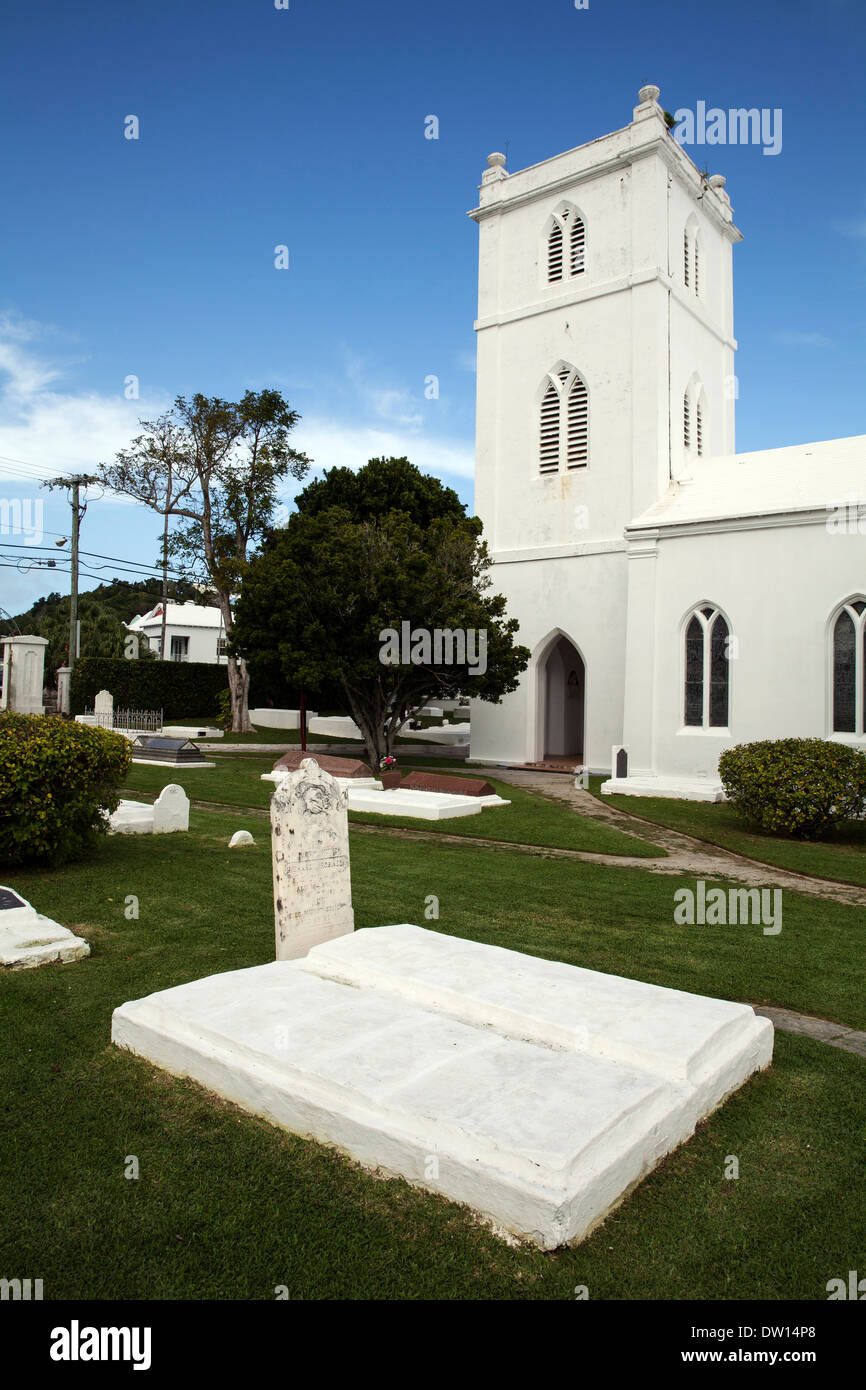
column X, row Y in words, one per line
column 849, row 669
column 707, row 670
column 566, row 246
column 564, row 422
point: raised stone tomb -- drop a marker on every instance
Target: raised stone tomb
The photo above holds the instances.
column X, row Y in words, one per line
column 543, row 1091
column 28, row 939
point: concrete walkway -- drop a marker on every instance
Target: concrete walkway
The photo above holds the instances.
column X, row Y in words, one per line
column 685, row 854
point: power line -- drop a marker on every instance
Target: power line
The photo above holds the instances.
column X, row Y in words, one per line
column 92, row 555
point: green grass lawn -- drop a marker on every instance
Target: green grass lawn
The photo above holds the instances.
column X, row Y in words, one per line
column 841, row 856
column 228, row 1207
column 529, row 820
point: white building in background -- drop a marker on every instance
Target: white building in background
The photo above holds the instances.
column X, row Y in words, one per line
column 193, row 632
column 677, row 597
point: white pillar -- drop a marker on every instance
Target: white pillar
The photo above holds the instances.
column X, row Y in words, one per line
column 23, row 671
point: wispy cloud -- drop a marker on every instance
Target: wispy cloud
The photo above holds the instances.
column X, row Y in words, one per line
column 392, row 404
column 332, row 444
column 56, row 430
column 800, row 339
column 50, row 429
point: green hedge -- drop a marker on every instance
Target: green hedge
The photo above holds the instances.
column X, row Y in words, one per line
column 795, row 786
column 56, row 781
column 181, row 689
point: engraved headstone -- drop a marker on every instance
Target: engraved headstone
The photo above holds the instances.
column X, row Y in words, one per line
column 171, row 810
column 310, row 848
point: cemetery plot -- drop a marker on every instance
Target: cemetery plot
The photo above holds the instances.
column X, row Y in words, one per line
column 168, row 752
column 28, row 939
column 543, row 1092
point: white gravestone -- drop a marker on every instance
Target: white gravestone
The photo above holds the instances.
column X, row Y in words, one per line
column 23, row 671
column 171, row 810
column 103, row 709
column 28, row 939
column 310, row 848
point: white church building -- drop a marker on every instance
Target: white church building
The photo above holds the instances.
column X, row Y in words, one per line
column 677, row 597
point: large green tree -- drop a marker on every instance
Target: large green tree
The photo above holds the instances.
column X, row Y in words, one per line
column 384, row 548
column 213, row 469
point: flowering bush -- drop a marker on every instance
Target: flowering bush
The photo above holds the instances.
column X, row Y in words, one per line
column 795, row 786
column 56, row 780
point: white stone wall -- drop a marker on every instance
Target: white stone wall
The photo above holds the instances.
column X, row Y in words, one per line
column 779, row 587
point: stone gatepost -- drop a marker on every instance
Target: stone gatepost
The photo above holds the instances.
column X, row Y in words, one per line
column 23, row 674
column 310, row 849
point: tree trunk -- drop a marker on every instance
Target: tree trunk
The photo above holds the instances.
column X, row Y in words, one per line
column 239, row 676
column 370, row 718
column 239, row 689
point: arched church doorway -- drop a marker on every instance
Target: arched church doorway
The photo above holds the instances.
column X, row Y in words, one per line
column 564, row 677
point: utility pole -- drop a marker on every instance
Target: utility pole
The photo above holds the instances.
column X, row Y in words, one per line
column 76, row 483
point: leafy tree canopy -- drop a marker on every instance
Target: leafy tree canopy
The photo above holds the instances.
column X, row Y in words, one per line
column 367, row 552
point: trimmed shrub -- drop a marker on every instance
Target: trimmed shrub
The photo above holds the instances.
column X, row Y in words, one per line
column 181, row 689
column 56, row 780
column 795, row 786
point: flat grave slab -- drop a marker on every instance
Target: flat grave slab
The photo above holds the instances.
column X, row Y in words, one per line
column 544, row 1092
column 28, row 939
column 418, row 805
column 673, row 788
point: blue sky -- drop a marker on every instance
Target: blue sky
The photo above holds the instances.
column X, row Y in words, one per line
column 305, row 127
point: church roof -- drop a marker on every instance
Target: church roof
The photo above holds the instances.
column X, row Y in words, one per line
column 819, row 477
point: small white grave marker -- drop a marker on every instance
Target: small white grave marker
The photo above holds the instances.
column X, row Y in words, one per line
column 171, row 810
column 310, row 847
column 241, row 837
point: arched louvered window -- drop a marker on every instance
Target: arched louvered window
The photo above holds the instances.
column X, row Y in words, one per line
column 549, row 449
column 699, row 426
column 554, row 253
column 578, row 424
column 687, row 267
column 849, row 669
column 566, row 246
column 707, row 670
column 564, row 421
column 577, row 243
column 687, row 421
column 697, row 267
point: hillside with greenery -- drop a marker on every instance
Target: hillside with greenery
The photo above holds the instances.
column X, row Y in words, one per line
column 102, row 612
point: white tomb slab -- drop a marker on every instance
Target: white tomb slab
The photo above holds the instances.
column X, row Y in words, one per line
column 457, row 734
column 368, row 794
column 671, row 788
column 166, row 815
column 28, row 939
column 421, row 805
column 544, row 1091
column 335, row 725
column 195, row 731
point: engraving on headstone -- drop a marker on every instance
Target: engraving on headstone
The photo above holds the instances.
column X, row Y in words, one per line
column 310, row 848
